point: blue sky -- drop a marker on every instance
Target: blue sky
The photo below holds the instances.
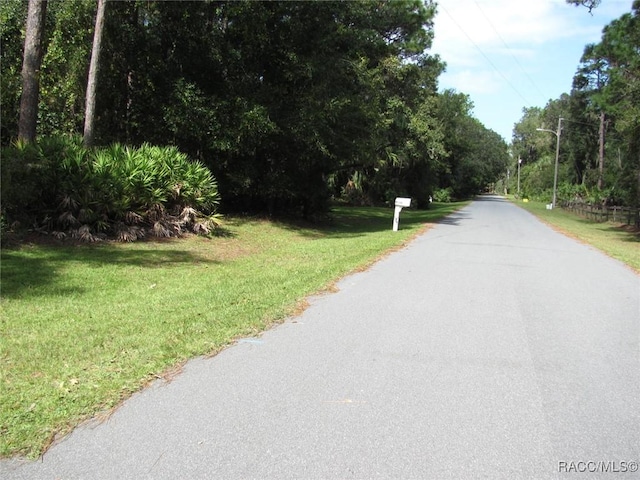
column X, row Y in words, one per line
column 511, row 54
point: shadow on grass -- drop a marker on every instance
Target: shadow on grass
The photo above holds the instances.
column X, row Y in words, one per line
column 347, row 222
column 626, row 233
column 353, row 221
column 629, row 233
column 34, row 271
column 576, row 225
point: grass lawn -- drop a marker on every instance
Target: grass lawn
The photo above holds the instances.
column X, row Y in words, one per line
column 82, row 327
column 615, row 240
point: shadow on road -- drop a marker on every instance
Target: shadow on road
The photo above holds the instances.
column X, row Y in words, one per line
column 490, row 198
column 454, row 219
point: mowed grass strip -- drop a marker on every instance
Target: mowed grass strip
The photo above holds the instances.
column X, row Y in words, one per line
column 82, row 327
column 617, row 241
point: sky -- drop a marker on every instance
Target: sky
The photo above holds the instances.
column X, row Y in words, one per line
column 511, row 54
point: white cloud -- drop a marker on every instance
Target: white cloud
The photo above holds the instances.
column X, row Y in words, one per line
column 502, row 26
column 476, row 82
column 464, row 22
column 507, row 54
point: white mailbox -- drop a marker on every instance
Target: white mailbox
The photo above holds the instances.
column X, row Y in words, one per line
column 403, row 202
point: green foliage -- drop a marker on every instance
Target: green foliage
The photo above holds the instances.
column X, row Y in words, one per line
column 572, row 192
column 13, row 14
column 58, row 186
column 3, row 228
column 291, row 99
column 443, row 195
column 606, row 85
column 580, row 193
column 65, row 65
column 476, row 156
column 527, row 143
column 284, row 95
column 30, row 180
column 536, row 179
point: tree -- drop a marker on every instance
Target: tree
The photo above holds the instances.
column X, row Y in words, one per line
column 592, row 77
column 527, row 144
column 580, row 137
column 476, row 156
column 606, row 93
column 609, row 81
column 312, row 89
column 284, row 101
column 590, row 4
column 621, row 42
column 92, row 80
column 32, row 59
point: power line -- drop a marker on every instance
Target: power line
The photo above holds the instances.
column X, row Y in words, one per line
column 580, row 123
column 509, row 50
column 485, row 56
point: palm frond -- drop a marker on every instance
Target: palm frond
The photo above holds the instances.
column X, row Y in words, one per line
column 84, row 234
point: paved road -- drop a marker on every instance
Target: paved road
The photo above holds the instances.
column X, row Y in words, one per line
column 490, row 347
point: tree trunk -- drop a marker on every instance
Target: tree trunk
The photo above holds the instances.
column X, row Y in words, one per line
column 31, row 70
column 601, row 152
column 90, row 104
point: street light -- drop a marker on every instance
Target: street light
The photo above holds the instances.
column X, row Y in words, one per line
column 555, row 176
column 519, row 163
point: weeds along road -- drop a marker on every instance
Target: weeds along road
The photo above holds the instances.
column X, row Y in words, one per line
column 490, row 347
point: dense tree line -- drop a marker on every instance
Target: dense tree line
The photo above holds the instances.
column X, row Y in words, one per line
column 600, row 136
column 288, row 103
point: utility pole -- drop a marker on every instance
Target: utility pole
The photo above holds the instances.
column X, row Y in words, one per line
column 555, row 175
column 601, row 151
column 506, row 185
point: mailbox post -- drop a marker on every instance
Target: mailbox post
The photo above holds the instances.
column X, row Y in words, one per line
column 400, row 203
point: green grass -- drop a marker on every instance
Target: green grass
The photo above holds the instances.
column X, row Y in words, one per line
column 82, row 327
column 613, row 239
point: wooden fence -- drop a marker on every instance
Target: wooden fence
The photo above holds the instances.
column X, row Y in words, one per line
column 601, row 213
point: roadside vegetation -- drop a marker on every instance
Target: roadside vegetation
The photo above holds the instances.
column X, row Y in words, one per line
column 621, row 242
column 84, row 326
column 288, row 104
column 58, row 186
column 596, row 127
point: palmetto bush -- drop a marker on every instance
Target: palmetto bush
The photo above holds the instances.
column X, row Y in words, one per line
column 123, row 192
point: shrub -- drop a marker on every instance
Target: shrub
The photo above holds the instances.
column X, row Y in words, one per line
column 443, row 195
column 570, row 192
column 123, row 192
column 3, row 229
column 31, row 177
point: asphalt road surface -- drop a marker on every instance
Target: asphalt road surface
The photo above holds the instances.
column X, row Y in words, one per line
column 490, row 347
